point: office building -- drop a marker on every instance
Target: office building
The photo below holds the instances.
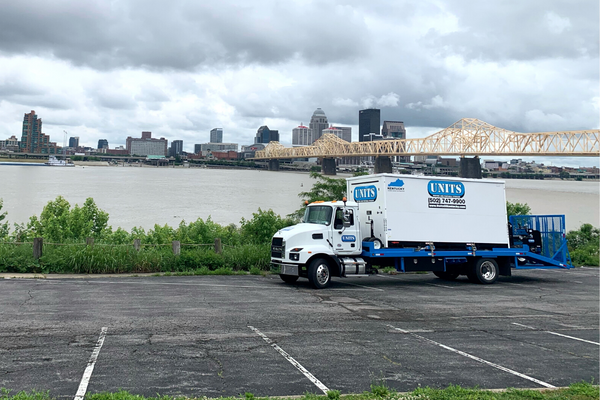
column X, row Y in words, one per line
column 343, row 132
column 146, row 146
column 176, row 148
column 11, row 144
column 318, row 122
column 393, row 130
column 32, row 138
column 74, row 141
column 218, row 147
column 216, row 135
column 368, row 122
column 266, row 135
column 250, row 150
column 102, row 144
column 302, row 136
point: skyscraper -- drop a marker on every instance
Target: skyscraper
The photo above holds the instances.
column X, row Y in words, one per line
column 302, row 136
column 318, row 122
column 74, row 141
column 393, row 130
column 176, row 148
column 102, row 144
column 368, row 122
column 343, row 132
column 32, row 138
column 266, row 135
column 216, row 135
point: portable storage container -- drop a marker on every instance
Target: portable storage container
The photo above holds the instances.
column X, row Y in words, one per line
column 413, row 211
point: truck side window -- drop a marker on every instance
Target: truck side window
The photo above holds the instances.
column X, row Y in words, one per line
column 338, row 223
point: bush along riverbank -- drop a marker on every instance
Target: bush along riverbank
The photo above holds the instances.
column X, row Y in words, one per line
column 79, row 240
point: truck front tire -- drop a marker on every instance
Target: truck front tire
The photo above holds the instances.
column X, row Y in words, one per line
column 288, row 278
column 485, row 271
column 319, row 273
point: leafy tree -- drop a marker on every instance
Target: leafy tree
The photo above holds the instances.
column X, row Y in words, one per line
column 325, row 189
column 262, row 226
column 3, row 225
column 58, row 223
column 517, row 209
column 584, row 245
column 564, row 175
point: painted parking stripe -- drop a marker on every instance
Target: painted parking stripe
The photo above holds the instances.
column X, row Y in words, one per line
column 433, row 284
column 559, row 334
column 87, row 374
column 295, row 363
column 472, row 357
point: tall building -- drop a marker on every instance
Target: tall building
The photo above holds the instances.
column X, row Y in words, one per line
column 393, row 129
column 32, row 138
column 176, row 148
column 343, row 132
column 266, row 135
column 368, row 122
column 216, row 135
column 318, row 122
column 147, row 146
column 302, row 136
column 102, row 144
column 74, row 141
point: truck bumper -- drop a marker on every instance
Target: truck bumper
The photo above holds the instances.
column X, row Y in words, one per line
column 285, row 268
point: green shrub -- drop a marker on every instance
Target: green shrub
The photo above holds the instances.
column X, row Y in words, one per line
column 584, row 245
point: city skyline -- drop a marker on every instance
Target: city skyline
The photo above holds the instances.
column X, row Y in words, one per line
column 180, row 69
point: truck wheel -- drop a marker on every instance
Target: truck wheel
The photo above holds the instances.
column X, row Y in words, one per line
column 288, row 278
column 485, row 270
column 319, row 273
column 447, row 276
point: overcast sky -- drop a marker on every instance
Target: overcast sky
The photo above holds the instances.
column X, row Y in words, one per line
column 112, row 69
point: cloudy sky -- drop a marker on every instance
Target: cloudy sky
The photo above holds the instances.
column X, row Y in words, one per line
column 111, row 69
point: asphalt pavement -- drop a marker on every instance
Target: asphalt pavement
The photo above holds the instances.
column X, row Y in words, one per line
column 228, row 335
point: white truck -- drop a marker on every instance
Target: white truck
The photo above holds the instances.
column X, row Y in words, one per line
column 450, row 226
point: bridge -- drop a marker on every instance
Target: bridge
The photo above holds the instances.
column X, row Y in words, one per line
column 467, row 137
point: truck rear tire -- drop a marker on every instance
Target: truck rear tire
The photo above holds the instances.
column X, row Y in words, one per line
column 288, row 278
column 447, row 276
column 319, row 273
column 485, row 271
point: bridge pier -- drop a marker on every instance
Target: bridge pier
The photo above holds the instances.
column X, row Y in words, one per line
column 273, row 165
column 328, row 166
column 383, row 165
column 470, row 168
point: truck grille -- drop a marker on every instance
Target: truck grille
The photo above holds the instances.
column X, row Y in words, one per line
column 277, row 248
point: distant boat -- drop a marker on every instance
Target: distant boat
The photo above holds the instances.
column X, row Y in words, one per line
column 54, row 162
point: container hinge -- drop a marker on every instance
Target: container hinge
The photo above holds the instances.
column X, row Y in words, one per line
column 473, row 247
column 431, row 247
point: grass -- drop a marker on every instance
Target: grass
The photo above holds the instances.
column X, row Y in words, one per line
column 576, row 391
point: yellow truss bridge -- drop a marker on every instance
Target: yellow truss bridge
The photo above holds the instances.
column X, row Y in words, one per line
column 467, row 137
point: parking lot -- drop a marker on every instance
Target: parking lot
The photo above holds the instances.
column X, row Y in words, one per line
column 227, row 335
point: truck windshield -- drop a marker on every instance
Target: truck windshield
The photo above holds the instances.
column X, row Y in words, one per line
column 318, row 215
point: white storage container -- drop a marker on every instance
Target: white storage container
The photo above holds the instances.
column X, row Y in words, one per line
column 409, row 210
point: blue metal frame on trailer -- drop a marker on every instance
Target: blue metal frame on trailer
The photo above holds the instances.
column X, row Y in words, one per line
column 552, row 254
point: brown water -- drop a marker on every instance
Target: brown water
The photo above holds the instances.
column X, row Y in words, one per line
column 147, row 196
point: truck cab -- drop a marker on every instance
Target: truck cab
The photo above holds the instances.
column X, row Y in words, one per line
column 326, row 243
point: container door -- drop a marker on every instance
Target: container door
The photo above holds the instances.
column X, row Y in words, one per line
column 346, row 238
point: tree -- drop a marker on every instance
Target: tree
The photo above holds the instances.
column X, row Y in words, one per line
column 325, row 189
column 3, row 226
column 584, row 245
column 517, row 209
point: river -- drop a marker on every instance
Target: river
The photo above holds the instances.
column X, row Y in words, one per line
column 146, row 196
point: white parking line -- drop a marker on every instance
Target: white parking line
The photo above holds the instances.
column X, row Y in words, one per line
column 559, row 334
column 433, row 284
column 363, row 286
column 491, row 364
column 295, row 363
column 87, row 374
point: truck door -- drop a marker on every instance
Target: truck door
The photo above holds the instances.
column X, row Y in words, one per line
column 346, row 239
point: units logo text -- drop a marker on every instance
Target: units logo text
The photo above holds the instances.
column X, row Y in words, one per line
column 365, row 193
column 446, row 194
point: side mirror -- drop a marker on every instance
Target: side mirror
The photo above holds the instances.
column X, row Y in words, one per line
column 347, row 219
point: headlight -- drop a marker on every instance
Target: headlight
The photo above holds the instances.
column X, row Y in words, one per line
column 295, row 256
